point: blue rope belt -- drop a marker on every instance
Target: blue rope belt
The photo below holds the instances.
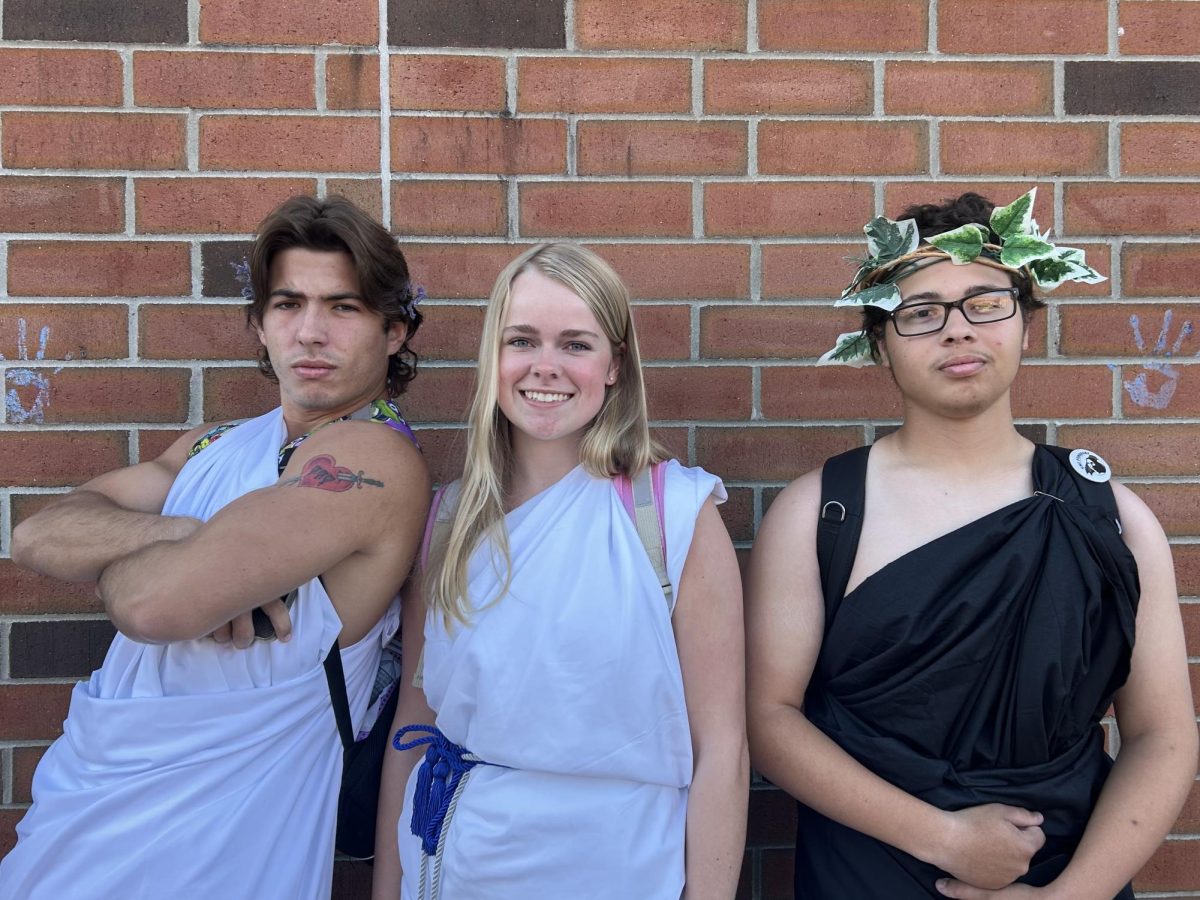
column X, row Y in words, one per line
column 438, row 779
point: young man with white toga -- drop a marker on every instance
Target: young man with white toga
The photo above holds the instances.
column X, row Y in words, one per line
column 199, row 760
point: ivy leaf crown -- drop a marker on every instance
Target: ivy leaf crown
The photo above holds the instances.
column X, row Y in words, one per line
column 892, row 253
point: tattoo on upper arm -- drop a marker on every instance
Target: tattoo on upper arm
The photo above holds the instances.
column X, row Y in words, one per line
column 323, row 472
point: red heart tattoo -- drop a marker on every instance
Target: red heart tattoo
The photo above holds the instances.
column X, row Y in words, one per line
column 324, row 472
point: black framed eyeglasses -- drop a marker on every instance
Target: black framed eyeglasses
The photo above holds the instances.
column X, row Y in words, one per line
column 980, row 308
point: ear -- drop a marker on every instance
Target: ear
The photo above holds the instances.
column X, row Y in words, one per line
column 1025, row 337
column 614, row 367
column 881, row 346
column 396, row 333
column 256, row 324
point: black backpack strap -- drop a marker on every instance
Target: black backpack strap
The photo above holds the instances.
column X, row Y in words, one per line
column 1092, row 492
column 839, row 525
column 338, row 696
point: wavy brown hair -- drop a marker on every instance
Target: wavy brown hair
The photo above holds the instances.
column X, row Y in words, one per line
column 336, row 225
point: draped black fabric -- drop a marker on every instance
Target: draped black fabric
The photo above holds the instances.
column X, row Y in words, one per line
column 975, row 669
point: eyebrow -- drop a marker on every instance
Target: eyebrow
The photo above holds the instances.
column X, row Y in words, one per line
column 937, row 295
column 566, row 332
column 329, row 298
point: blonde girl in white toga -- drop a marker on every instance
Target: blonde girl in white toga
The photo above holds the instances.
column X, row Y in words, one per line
column 590, row 737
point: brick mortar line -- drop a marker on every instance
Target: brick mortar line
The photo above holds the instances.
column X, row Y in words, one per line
column 927, row 56
column 127, row 95
column 385, row 114
column 569, row 25
column 752, row 42
column 1114, row 29
column 320, row 85
column 193, row 15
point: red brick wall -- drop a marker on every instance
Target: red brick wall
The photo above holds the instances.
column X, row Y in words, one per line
column 723, row 154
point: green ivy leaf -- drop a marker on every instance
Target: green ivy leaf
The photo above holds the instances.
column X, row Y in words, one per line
column 888, row 240
column 963, row 244
column 884, row 296
column 1022, row 249
column 1065, row 265
column 1016, row 218
column 851, row 348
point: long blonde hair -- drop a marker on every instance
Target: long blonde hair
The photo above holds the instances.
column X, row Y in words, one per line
column 617, row 441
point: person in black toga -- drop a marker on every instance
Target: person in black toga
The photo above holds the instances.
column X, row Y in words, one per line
column 938, row 623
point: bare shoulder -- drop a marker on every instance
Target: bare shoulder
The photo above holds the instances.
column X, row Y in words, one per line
column 794, row 512
column 1139, row 526
column 377, row 464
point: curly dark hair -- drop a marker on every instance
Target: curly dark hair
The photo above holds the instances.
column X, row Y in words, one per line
column 335, row 224
column 933, row 219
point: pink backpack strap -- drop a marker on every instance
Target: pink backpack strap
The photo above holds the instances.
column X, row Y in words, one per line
column 431, row 523
column 651, row 527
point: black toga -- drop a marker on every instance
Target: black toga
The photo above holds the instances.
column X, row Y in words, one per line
column 975, row 669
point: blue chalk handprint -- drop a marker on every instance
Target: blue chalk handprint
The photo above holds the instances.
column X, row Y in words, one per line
column 1163, row 374
column 21, row 382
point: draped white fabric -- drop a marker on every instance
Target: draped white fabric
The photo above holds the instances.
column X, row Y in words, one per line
column 571, row 685
column 192, row 768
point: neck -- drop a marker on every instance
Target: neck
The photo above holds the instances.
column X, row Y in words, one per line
column 926, row 437
column 538, row 464
column 302, row 420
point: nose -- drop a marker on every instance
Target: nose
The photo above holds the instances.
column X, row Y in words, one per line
column 311, row 328
column 545, row 364
column 957, row 327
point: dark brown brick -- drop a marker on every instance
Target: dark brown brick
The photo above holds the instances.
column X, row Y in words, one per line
column 217, row 259
column 58, row 649
column 772, row 818
column 469, row 23
column 1132, row 88
column 144, row 22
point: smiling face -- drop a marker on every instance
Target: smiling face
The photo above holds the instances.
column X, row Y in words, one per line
column 328, row 349
column 963, row 369
column 555, row 363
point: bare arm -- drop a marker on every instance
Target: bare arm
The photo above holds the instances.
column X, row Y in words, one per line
column 709, row 635
column 352, row 489
column 989, row 845
column 109, row 517
column 1157, row 759
column 411, row 709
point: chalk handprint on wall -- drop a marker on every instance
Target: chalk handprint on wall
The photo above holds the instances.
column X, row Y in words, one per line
column 27, row 391
column 1155, row 384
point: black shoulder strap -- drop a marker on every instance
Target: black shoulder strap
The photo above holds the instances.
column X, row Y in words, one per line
column 1093, row 493
column 338, row 696
column 843, row 494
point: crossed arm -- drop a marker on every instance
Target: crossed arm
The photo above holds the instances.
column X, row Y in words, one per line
column 161, row 580
column 111, row 516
